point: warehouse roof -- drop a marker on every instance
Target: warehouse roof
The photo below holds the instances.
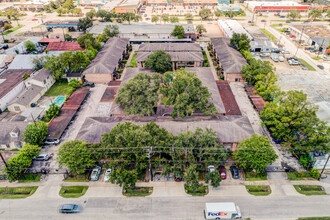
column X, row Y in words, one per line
column 231, row 59
column 230, row 129
column 107, row 58
column 232, row 26
column 262, row 44
column 175, row 56
column 170, row 47
column 256, row 33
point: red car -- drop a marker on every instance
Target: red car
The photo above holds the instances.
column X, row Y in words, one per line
column 223, row 173
column 292, row 36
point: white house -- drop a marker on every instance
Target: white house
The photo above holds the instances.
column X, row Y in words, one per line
column 11, row 134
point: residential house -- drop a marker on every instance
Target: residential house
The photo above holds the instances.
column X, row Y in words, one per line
column 63, row 46
column 36, row 86
column 20, row 48
column 11, row 134
column 107, row 64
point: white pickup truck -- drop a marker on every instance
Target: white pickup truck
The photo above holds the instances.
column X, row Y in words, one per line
column 222, row 210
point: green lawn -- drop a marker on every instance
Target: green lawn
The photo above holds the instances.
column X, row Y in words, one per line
column 270, row 35
column 201, row 191
column 29, row 178
column 133, row 61
column 281, row 29
column 206, row 61
column 315, row 218
column 77, row 178
column 299, row 176
column 137, row 191
column 317, row 58
column 12, row 29
column 252, row 176
column 275, row 25
column 59, row 88
column 306, row 64
column 73, row 191
column 309, row 190
column 256, row 190
column 17, row 192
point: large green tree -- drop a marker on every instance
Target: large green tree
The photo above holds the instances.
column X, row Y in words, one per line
column 165, row 18
column 139, row 95
column 102, row 14
column 178, row 31
column 292, row 118
column 111, row 30
column 30, row 46
column 200, row 29
column 77, row 155
column 205, row 13
column 214, row 178
column 84, row 24
column 240, row 41
column 174, row 19
column 159, row 61
column 189, row 17
column 185, row 92
column 294, row 14
column 52, row 111
column 154, row 18
column 36, row 133
column 191, row 179
column 91, row 14
column 255, row 153
column 315, row 14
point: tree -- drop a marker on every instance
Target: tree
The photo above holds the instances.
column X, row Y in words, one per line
column 111, row 30
column 214, row 177
column 128, row 17
column 7, row 26
column 205, row 13
column 76, row 11
column 178, row 31
column 52, row 111
column 240, row 41
column 102, row 38
column 74, row 83
column 174, row 19
column 184, row 91
column 267, row 87
column 139, row 95
column 76, row 155
column 315, row 13
column 230, row 13
column 67, row 37
column 255, row 153
column 84, row 24
column 60, row 11
column 88, row 39
column 256, row 70
column 328, row 12
column 12, row 13
column 189, row 17
column 68, row 5
column 191, row 179
column 218, row 13
column 159, row 61
column 200, row 29
column 137, row 18
column 91, row 14
column 39, row 62
column 30, row 46
column 102, row 14
column 165, row 18
column 293, row 15
column 25, row 76
column 36, row 133
column 154, row 18
column 292, row 119
column 123, row 177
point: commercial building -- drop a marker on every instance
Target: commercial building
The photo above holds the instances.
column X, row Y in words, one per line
column 229, row 27
column 11, row 85
column 275, row 6
column 264, row 46
column 182, row 54
column 229, row 59
column 182, row 2
column 127, row 6
column 105, row 67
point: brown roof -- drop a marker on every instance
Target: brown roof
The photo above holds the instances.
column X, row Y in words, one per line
column 257, row 101
column 49, row 40
column 228, row 98
column 231, row 59
column 109, row 94
column 63, row 46
column 114, row 83
column 230, row 129
column 12, row 78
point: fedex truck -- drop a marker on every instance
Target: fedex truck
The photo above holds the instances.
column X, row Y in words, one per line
column 223, row 210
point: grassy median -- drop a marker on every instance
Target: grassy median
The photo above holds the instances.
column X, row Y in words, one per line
column 256, row 190
column 17, row 192
column 73, row 191
column 137, row 191
column 309, row 190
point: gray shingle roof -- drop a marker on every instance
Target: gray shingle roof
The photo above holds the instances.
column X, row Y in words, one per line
column 230, row 129
column 41, row 75
column 108, row 57
column 175, row 56
column 27, row 95
column 231, row 59
column 7, row 127
column 24, row 61
column 170, row 47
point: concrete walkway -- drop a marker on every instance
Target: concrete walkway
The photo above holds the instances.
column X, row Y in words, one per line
column 210, row 62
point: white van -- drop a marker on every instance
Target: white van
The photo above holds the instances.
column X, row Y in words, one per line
column 222, row 210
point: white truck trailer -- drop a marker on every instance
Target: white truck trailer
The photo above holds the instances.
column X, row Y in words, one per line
column 222, row 210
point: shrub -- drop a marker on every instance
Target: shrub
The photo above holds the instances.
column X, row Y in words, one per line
column 315, row 173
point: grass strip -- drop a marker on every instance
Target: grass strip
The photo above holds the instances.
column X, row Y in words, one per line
column 13, row 29
column 259, row 190
column 59, row 88
column 306, row 64
column 137, row 191
column 299, row 176
column 201, row 191
column 310, row 190
column 73, row 191
column 252, row 176
column 270, row 35
column 29, row 178
column 17, row 192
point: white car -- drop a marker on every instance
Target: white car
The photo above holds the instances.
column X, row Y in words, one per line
column 107, row 175
column 281, row 58
column 211, row 168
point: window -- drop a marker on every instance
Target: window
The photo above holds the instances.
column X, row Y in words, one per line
column 13, row 134
column 228, row 147
column 17, row 108
column 44, row 81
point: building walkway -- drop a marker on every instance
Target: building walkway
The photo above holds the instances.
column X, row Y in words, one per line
column 210, row 62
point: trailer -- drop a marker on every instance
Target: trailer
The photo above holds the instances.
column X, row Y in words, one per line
column 222, row 210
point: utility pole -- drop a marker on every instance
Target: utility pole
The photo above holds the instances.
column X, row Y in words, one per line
column 150, row 165
column 302, row 32
column 324, row 166
column 318, row 53
column 3, row 160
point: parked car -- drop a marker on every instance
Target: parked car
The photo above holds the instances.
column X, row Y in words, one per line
column 177, row 176
column 107, row 175
column 293, row 36
column 326, row 58
column 282, row 16
column 234, row 172
column 309, row 48
column 42, row 157
column 223, row 173
column 264, row 55
column 321, row 67
column 5, row 47
column 281, row 58
column 285, row 52
column 287, row 21
column 70, row 208
column 96, row 173
column 90, row 84
column 263, row 20
column 211, row 168
column 304, row 68
column 50, row 142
